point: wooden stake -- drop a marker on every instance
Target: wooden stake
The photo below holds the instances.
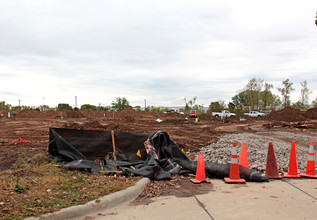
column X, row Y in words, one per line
column 113, row 146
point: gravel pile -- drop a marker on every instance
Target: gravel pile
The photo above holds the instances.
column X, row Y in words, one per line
column 257, row 146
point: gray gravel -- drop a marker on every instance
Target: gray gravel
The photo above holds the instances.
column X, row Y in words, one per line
column 257, row 146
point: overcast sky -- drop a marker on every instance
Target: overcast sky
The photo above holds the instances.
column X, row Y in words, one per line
column 161, row 51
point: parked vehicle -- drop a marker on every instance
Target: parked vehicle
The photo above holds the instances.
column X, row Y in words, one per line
column 174, row 110
column 170, row 110
column 224, row 113
column 265, row 112
column 193, row 114
column 254, row 114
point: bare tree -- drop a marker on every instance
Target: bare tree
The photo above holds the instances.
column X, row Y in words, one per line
column 191, row 102
column 304, row 93
column 266, row 95
column 285, row 92
column 253, row 89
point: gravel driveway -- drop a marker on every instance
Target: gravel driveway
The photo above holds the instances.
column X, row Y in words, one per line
column 257, row 146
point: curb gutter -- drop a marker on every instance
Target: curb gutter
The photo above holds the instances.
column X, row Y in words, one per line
column 99, row 205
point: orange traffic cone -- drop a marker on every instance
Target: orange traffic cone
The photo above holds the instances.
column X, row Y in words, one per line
column 234, row 176
column 271, row 170
column 292, row 167
column 311, row 167
column 243, row 159
column 200, row 171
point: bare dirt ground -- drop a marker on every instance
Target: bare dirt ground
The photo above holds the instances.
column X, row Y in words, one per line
column 188, row 134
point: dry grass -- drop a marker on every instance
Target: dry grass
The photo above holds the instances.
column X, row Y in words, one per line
column 37, row 186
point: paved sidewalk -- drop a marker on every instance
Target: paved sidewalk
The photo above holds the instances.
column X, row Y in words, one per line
column 278, row 199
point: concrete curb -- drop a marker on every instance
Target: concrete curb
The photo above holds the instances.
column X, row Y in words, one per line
column 98, row 205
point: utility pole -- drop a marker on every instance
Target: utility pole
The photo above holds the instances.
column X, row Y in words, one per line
column 75, row 101
column 144, row 104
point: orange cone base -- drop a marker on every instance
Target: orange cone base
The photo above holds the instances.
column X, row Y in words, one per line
column 274, row 177
column 307, row 175
column 200, row 181
column 228, row 180
column 291, row 175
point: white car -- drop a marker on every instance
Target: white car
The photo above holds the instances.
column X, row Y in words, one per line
column 224, row 113
column 254, row 114
column 265, row 112
column 174, row 110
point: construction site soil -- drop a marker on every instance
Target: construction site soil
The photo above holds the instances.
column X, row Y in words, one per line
column 210, row 136
column 188, row 134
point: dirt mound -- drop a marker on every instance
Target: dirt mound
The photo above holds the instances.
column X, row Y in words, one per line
column 28, row 113
column 3, row 114
column 52, row 114
column 287, row 114
column 246, row 118
column 85, row 126
column 153, row 114
column 311, row 113
column 72, row 125
column 176, row 121
column 127, row 118
column 172, row 118
column 92, row 124
column 73, row 114
column 93, row 114
column 128, row 112
column 65, row 113
column 205, row 116
column 171, row 115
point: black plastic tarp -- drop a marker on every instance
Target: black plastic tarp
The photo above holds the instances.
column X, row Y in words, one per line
column 154, row 155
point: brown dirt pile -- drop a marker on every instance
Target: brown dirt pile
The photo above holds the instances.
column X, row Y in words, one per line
column 28, row 113
column 287, row 114
column 205, row 116
column 311, row 113
column 94, row 124
column 65, row 113
column 92, row 114
column 129, row 112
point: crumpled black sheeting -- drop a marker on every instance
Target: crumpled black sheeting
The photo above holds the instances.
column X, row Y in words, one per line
column 223, row 170
column 80, row 149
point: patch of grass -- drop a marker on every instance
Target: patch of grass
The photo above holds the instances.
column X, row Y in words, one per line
column 18, row 188
column 37, row 186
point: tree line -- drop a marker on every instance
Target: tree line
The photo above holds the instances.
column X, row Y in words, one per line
column 256, row 95
column 116, row 105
